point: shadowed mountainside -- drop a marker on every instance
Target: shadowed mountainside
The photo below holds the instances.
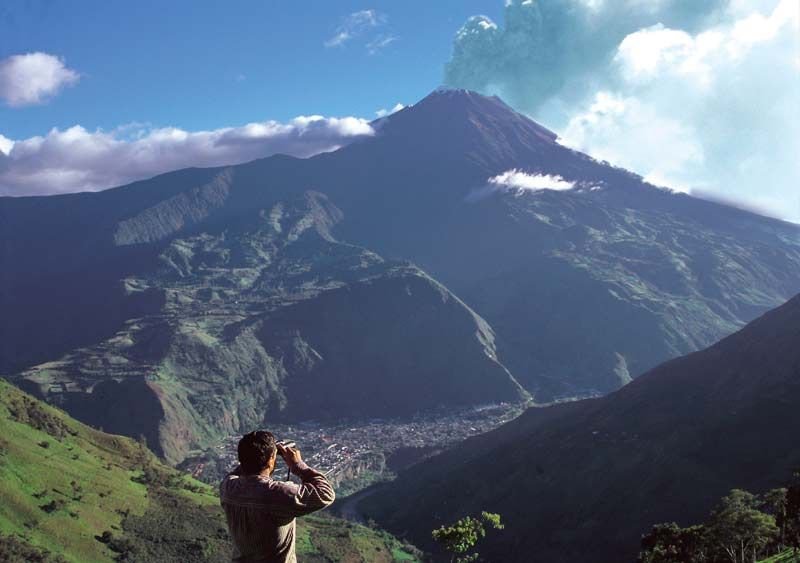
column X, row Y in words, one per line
column 269, row 317
column 662, row 273
column 204, row 302
column 583, row 480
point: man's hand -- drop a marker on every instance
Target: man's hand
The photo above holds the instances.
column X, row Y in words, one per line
column 290, row 455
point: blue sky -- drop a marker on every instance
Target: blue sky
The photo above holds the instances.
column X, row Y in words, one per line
column 701, row 97
column 200, row 64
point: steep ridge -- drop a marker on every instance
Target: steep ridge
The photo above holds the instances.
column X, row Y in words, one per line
column 268, row 317
column 583, row 480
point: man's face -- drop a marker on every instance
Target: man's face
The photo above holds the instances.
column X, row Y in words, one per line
column 271, row 465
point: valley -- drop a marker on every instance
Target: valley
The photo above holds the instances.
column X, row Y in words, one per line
column 392, row 308
column 590, row 477
column 195, row 304
column 519, row 280
column 357, row 453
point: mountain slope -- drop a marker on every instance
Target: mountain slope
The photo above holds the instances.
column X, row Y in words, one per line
column 585, row 479
column 265, row 316
column 665, row 273
column 65, row 485
column 194, row 304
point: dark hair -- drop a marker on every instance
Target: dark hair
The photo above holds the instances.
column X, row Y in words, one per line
column 255, row 450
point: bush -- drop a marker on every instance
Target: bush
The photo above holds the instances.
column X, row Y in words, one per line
column 173, row 529
column 28, row 411
column 742, row 528
column 463, row 535
column 17, row 548
column 53, row 506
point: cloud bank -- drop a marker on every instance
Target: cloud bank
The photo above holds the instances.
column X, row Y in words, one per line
column 33, row 78
column 670, row 89
column 79, row 160
column 557, row 47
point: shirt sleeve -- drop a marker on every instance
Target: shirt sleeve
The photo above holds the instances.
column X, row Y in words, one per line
column 314, row 493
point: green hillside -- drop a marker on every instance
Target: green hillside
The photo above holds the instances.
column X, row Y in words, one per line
column 71, row 493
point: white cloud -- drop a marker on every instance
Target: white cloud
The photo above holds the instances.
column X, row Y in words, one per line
column 646, row 53
column 477, row 27
column 5, row 145
column 632, row 134
column 555, row 52
column 355, row 25
column 715, row 112
column 339, row 39
column 383, row 112
column 33, row 78
column 374, row 46
column 699, row 96
column 518, row 180
column 79, row 160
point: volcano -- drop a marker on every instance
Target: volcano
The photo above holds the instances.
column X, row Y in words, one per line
column 393, row 275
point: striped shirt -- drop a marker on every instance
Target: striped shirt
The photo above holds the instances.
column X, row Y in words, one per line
column 261, row 512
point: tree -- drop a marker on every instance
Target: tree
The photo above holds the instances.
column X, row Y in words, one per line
column 669, row 543
column 774, row 502
column 462, row 536
column 792, row 524
column 739, row 529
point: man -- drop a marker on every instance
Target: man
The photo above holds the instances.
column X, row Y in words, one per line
column 261, row 511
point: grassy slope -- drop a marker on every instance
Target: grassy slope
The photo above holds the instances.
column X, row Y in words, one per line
column 64, row 484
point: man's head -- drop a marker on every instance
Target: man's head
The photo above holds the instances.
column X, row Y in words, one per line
column 257, row 453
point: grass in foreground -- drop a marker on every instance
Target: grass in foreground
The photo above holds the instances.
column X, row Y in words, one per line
column 73, row 494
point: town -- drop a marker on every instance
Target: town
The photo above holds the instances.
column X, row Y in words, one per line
column 354, row 454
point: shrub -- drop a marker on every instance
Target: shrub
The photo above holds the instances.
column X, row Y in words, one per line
column 17, row 548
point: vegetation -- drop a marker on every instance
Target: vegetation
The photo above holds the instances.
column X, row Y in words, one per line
column 92, row 496
column 14, row 548
column 326, row 539
column 743, row 528
column 71, row 493
column 460, row 538
column 788, row 556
